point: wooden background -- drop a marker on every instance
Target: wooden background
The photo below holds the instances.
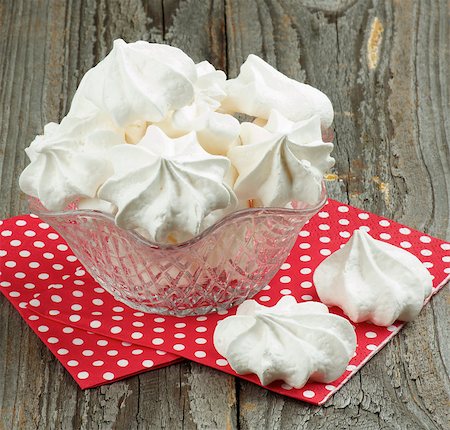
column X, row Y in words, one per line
column 385, row 66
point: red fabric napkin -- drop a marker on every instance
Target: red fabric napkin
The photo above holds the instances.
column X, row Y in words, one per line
column 99, row 339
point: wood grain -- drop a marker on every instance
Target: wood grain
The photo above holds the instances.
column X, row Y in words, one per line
column 385, row 66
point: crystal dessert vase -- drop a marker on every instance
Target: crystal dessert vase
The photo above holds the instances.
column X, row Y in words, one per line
column 226, row 264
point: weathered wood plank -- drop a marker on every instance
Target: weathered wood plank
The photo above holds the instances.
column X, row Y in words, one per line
column 384, row 64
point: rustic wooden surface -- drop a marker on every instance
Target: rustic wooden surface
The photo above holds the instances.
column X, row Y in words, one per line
column 385, row 66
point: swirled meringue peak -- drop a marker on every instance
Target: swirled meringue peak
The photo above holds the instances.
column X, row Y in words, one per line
column 291, row 341
column 281, row 162
column 137, row 81
column 259, row 88
column 374, row 281
column 69, row 160
column 165, row 186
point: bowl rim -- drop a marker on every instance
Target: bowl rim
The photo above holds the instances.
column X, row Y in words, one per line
column 308, row 210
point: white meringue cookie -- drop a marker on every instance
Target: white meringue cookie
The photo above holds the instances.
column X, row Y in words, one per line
column 216, row 132
column 281, row 162
column 69, row 161
column 374, row 281
column 260, row 88
column 166, row 186
column 137, row 81
column 290, row 341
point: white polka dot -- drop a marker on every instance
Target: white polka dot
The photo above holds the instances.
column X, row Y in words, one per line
column 159, row 352
column 371, row 347
column 325, row 252
column 74, row 318
column 428, row 264
column 183, row 325
column 25, row 253
column 112, row 352
column 222, row 312
column 77, row 293
column 56, row 286
column 30, row 233
column 426, row 252
column 78, row 282
column 371, row 334
column 21, row 222
column 77, row 341
column 157, row 341
column 306, row 297
column 344, row 222
column 54, row 312
column 323, row 214
column 364, row 228
column 43, row 225
column 33, row 317
column 19, row 275
column 43, row 276
column 14, row 294
column 343, row 209
column 200, row 354
column 324, row 239
column 305, row 258
column 351, row 367
column 62, row 247
column 55, row 298
column 138, row 324
column 98, row 363
column 117, row 318
column 178, row 347
column 304, row 233
column 72, row 363
column 15, row 242
column 68, row 330
column 221, row 362
column 309, row 394
column 52, row 236
column 5, row 284
column 159, row 330
column 445, row 246
column 446, row 258
column 446, row 270
column 285, row 279
column 385, row 236
column 305, row 271
column 264, row 299
column 148, row 363
column 179, row 335
column 33, row 265
column 285, row 291
column 306, row 284
column 95, row 324
column 97, row 302
column 6, row 233
column 330, row 387
column 392, row 328
column 71, row 258
column 76, row 307
column 10, row 264
column 344, row 234
column 137, row 351
column 404, row 230
column 136, row 335
column 285, row 266
column 324, row 227
column 118, row 309
column 304, row 246
column 39, row 244
column 102, row 342
column 48, row 255
column 58, row 266
column 122, row 363
column 425, row 239
column 80, row 272
column 108, row 376
column 88, row 353
column 363, row 216
column 200, row 341
column 35, row 302
column 138, row 314
column 405, row 244
column 115, row 329
column 62, row 351
column 43, row 328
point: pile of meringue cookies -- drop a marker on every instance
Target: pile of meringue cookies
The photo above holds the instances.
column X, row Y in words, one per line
column 152, row 139
column 370, row 280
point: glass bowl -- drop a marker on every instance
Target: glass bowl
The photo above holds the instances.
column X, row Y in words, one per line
column 226, row 264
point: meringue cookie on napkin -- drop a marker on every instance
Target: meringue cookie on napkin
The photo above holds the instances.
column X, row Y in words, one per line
column 259, row 88
column 69, row 160
column 137, row 81
column 290, row 341
column 166, row 186
column 374, row 281
column 282, row 161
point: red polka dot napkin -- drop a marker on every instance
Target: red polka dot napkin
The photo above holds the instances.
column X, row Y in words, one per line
column 99, row 339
